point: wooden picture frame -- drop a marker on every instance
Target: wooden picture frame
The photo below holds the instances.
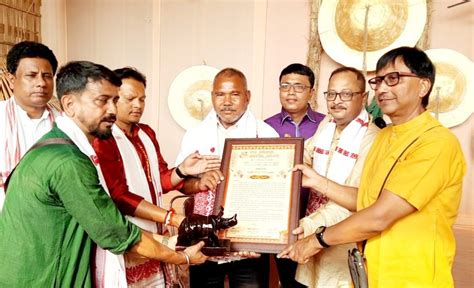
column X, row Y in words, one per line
column 261, row 188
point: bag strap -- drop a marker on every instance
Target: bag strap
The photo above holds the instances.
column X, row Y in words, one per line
column 393, row 166
column 403, row 152
column 39, row 144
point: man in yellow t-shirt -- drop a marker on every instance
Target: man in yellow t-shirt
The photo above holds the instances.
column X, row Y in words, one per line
column 406, row 212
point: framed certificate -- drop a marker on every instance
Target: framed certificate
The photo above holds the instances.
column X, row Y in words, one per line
column 261, row 188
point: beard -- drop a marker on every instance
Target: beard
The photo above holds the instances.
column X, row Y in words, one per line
column 104, row 133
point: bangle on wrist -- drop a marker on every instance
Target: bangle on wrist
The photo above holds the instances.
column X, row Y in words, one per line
column 180, row 173
column 171, row 218
column 188, row 260
column 166, row 216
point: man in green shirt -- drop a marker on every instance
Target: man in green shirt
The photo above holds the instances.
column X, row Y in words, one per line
column 55, row 205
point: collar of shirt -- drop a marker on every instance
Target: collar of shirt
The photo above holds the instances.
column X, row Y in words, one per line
column 229, row 132
column 236, row 125
column 135, row 129
column 310, row 115
column 24, row 116
column 31, row 129
column 226, row 131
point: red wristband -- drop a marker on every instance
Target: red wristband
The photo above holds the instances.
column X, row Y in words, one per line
column 169, row 216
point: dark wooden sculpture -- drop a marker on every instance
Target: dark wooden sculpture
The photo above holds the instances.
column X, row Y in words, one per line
column 197, row 228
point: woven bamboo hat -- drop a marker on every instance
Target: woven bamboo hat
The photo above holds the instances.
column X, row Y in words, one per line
column 348, row 28
column 189, row 97
column 452, row 99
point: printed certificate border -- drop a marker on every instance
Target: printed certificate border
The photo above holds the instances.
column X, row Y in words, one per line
column 263, row 245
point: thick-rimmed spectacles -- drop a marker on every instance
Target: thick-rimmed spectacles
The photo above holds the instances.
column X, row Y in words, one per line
column 285, row 87
column 344, row 95
column 391, row 79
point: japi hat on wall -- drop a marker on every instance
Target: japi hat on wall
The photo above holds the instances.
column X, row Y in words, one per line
column 189, row 98
column 452, row 99
column 390, row 24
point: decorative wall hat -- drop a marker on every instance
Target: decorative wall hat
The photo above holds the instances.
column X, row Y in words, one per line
column 452, row 99
column 189, row 98
column 357, row 33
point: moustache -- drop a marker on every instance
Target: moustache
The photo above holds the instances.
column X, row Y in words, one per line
column 227, row 109
column 385, row 97
column 111, row 118
column 338, row 106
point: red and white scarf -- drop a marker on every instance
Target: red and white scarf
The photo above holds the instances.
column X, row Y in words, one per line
column 344, row 156
column 150, row 272
column 137, row 181
column 15, row 145
column 138, row 272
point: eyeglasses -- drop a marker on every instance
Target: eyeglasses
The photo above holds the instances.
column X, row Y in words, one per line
column 344, row 95
column 285, row 87
column 391, row 79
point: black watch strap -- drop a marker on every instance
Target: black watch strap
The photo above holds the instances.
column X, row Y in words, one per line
column 179, row 173
column 319, row 236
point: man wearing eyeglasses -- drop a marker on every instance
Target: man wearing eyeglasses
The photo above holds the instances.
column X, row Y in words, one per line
column 296, row 119
column 410, row 188
column 337, row 151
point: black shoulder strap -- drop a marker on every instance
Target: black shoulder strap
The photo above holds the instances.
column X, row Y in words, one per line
column 400, row 155
column 393, row 166
column 37, row 145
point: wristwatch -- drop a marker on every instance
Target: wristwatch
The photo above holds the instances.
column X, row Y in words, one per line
column 179, row 173
column 319, row 236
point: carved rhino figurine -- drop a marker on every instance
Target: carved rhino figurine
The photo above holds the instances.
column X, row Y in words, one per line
column 197, row 228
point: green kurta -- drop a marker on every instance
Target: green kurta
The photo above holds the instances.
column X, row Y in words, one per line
column 55, row 207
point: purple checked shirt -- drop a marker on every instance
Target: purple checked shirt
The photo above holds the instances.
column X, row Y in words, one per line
column 283, row 124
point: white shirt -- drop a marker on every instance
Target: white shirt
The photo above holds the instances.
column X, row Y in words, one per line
column 32, row 129
column 209, row 136
column 29, row 131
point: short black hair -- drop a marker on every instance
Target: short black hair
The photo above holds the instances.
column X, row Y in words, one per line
column 299, row 69
column 359, row 75
column 130, row 72
column 229, row 72
column 74, row 76
column 29, row 49
column 416, row 60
